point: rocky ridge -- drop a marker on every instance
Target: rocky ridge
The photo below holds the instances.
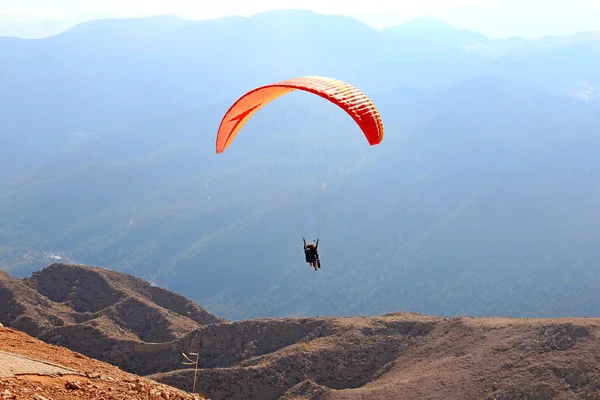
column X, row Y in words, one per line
column 96, row 311
column 397, row 355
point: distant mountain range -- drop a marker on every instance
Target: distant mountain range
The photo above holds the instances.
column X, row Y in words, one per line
column 481, row 200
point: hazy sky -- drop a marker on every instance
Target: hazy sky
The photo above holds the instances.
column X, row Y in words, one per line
column 496, row 18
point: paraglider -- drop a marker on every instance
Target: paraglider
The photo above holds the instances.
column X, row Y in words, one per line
column 350, row 99
column 347, row 97
column 311, row 254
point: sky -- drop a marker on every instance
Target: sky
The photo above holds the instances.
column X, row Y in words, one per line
column 495, row 18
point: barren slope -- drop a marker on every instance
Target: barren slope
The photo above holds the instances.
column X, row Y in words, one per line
column 394, row 356
column 88, row 378
column 95, row 311
column 116, row 318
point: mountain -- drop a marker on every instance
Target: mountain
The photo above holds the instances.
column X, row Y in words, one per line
column 547, row 63
column 104, row 75
column 32, row 369
column 480, row 200
column 107, row 74
column 484, row 191
column 437, row 31
column 93, row 310
column 396, row 355
column 130, row 26
column 11, row 27
column 407, row 356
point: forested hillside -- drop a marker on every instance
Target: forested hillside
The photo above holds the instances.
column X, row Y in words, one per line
column 482, row 198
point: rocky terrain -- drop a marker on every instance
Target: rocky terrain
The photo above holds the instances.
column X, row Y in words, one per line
column 88, row 379
column 392, row 357
column 96, row 311
column 127, row 322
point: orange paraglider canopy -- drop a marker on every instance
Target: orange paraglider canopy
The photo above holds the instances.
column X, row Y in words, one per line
column 347, row 97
